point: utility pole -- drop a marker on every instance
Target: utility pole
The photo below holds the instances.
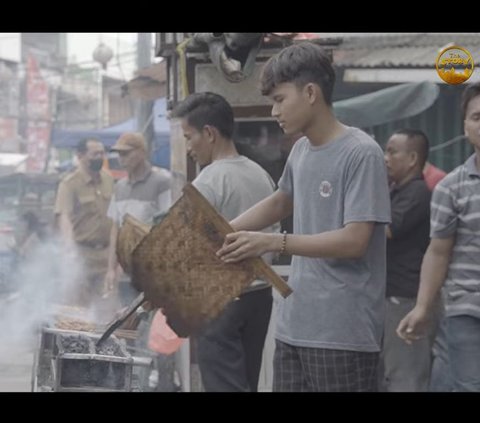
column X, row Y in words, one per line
column 144, row 108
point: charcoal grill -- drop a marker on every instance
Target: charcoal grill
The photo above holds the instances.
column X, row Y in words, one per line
column 69, row 361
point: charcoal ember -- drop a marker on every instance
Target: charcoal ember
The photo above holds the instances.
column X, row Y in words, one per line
column 109, row 347
column 75, row 372
column 75, row 344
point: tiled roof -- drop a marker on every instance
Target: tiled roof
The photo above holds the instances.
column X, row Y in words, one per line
column 406, row 50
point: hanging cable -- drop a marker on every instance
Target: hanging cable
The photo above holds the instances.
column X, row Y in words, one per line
column 183, row 66
column 448, row 143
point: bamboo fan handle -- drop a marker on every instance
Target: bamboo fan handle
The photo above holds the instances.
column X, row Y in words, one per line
column 260, row 268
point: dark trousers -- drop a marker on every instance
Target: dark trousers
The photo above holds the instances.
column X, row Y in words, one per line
column 230, row 348
column 406, row 368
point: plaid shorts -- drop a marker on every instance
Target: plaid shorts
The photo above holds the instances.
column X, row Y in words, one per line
column 303, row 369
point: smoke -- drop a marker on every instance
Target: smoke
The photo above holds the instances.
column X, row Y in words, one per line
column 44, row 278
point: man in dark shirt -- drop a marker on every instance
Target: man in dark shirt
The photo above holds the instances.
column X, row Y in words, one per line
column 406, row 367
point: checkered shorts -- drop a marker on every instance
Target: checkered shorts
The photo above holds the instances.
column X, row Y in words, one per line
column 302, row 369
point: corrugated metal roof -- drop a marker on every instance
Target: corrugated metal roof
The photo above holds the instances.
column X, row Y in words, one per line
column 409, row 50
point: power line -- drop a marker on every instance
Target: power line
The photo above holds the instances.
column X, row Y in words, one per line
column 448, row 143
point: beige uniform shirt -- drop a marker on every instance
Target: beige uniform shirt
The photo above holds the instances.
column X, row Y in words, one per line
column 86, row 201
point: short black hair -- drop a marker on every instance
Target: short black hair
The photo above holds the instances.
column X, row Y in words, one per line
column 206, row 108
column 417, row 141
column 300, row 64
column 82, row 145
column 472, row 91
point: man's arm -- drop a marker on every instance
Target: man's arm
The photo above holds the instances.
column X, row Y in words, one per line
column 351, row 241
column 111, row 275
column 432, row 276
column 112, row 248
column 63, row 208
column 388, row 232
column 66, row 228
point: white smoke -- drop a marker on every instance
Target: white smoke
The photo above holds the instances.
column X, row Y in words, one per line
column 40, row 282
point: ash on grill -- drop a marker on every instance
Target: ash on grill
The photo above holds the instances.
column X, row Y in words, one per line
column 75, row 344
column 109, row 347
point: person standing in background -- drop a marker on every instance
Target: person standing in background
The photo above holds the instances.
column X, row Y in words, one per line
column 432, row 175
column 144, row 193
column 452, row 259
column 81, row 206
column 406, row 368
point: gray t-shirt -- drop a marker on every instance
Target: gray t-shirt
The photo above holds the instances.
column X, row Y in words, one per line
column 234, row 185
column 336, row 303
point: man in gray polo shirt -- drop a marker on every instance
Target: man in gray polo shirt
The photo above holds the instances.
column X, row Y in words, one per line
column 453, row 257
column 144, row 194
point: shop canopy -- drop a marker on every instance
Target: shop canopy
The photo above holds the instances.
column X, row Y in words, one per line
column 68, row 138
column 387, row 105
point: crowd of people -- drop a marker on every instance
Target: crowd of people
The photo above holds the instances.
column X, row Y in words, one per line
column 376, row 235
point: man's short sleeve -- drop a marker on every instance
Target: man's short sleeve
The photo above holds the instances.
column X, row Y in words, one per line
column 64, row 202
column 367, row 198
column 443, row 214
column 112, row 211
column 285, row 183
column 164, row 200
column 207, row 192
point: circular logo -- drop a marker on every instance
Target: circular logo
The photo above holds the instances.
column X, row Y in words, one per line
column 325, row 189
column 454, row 65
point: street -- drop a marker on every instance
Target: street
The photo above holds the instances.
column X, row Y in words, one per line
column 16, row 361
column 17, row 341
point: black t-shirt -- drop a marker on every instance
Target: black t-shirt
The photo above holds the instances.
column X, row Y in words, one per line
column 410, row 237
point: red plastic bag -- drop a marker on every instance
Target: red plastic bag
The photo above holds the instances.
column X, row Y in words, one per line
column 162, row 338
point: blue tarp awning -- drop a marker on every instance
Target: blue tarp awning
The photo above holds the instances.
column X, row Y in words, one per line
column 67, row 138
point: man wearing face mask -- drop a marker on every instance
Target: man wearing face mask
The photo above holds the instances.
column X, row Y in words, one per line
column 81, row 206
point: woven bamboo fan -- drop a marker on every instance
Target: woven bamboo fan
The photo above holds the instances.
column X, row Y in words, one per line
column 176, row 266
column 129, row 236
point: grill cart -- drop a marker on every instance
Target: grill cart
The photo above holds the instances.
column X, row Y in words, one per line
column 69, row 361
